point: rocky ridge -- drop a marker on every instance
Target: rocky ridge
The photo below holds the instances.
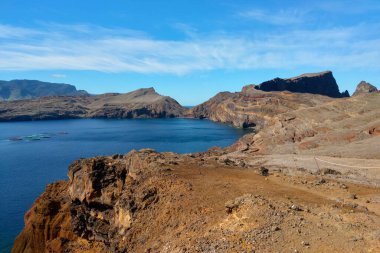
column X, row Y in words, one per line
column 252, row 107
column 142, row 103
column 256, row 103
column 343, row 128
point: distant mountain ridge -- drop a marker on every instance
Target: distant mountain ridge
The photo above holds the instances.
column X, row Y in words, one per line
column 29, row 89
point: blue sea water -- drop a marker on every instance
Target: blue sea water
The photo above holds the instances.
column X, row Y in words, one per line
column 33, row 154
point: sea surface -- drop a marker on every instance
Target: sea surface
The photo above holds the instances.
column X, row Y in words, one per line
column 33, row 154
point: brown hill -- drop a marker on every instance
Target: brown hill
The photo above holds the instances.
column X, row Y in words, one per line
column 345, row 125
column 253, row 107
column 142, row 103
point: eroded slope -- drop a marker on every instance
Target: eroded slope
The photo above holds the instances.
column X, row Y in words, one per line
column 164, row 202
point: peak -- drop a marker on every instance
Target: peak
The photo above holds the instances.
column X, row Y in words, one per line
column 144, row 91
column 249, row 88
column 148, row 90
column 364, row 88
column 151, row 89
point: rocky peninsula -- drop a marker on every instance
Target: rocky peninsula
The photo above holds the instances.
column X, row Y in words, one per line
column 141, row 103
column 306, row 181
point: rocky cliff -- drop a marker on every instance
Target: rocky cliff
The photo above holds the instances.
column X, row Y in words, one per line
column 322, row 83
column 29, row 89
column 364, row 88
column 212, row 202
column 342, row 128
column 252, row 107
column 255, row 103
column 142, row 103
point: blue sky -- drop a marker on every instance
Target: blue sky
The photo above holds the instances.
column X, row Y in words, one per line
column 187, row 49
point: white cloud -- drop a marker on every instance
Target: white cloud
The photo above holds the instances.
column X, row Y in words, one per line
column 108, row 50
column 11, row 32
column 282, row 17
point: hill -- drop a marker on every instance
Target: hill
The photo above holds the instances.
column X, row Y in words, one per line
column 142, row 103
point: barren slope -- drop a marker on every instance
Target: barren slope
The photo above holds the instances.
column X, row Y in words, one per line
column 152, row 202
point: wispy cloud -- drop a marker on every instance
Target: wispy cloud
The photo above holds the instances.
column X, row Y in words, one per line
column 347, row 6
column 112, row 50
column 281, row 17
column 11, row 32
column 186, row 29
column 59, row 75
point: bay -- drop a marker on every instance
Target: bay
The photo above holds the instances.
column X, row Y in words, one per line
column 34, row 154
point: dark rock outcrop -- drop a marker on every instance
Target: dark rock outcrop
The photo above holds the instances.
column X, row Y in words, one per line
column 364, row 88
column 322, row 83
column 29, row 89
column 142, row 103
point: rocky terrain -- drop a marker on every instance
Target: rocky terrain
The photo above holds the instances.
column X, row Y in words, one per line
column 256, row 103
column 252, row 107
column 342, row 127
column 29, row 89
column 142, row 103
column 306, row 181
column 364, row 88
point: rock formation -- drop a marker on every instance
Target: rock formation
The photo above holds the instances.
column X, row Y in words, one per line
column 142, row 103
column 255, row 103
column 364, row 88
column 29, row 89
column 252, row 107
column 315, row 83
column 342, row 128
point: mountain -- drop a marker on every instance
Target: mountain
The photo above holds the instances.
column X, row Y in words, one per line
column 347, row 127
column 255, row 103
column 322, row 83
column 142, row 103
column 364, row 88
column 29, row 89
column 252, row 107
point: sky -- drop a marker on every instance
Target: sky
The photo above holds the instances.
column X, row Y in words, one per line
column 188, row 49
